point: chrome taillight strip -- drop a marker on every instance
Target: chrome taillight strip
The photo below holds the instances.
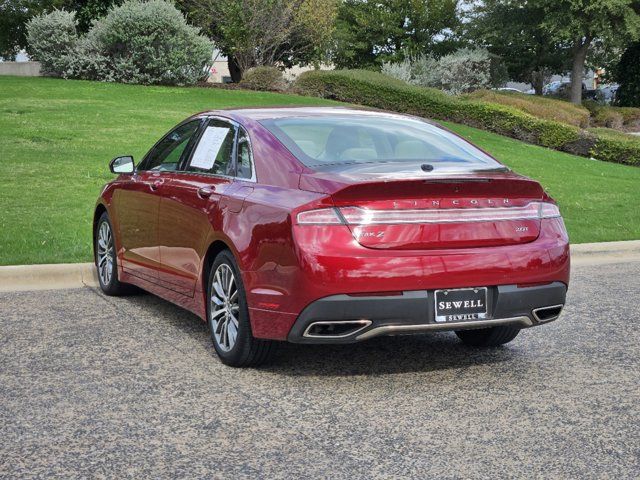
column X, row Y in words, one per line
column 365, row 216
column 531, row 211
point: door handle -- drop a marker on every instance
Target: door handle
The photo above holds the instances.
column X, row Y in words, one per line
column 155, row 185
column 206, row 192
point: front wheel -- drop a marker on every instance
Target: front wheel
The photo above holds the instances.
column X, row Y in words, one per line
column 488, row 337
column 228, row 315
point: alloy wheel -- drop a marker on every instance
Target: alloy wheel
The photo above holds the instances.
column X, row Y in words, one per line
column 105, row 253
column 224, row 308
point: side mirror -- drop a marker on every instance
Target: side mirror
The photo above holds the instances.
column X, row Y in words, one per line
column 122, row 164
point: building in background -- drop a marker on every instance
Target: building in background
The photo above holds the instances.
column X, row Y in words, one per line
column 22, row 67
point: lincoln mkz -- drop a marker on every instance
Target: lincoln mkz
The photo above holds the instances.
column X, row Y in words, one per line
column 331, row 225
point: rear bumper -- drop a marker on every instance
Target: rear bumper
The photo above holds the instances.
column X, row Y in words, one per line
column 366, row 317
column 329, row 264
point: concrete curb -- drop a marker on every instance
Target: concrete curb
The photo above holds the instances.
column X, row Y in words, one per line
column 16, row 278
column 606, row 247
column 605, row 252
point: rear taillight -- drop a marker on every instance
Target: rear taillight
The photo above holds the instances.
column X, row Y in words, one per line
column 361, row 216
column 365, row 216
column 322, row 216
column 549, row 210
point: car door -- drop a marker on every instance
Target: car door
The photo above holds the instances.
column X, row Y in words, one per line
column 193, row 198
column 138, row 202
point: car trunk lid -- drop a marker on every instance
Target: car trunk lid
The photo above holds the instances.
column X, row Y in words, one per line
column 448, row 212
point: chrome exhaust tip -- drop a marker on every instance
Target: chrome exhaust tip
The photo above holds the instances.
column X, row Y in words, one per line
column 335, row 329
column 547, row 314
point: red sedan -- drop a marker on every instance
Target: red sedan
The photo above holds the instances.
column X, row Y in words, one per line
column 331, row 225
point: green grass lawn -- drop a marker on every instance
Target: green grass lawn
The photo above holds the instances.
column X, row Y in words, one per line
column 56, row 139
column 57, row 136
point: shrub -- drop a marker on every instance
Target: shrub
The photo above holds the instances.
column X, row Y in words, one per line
column 630, row 116
column 52, row 37
column 87, row 61
column 380, row 91
column 263, row 78
column 541, row 107
column 618, row 118
column 150, row 42
column 138, row 42
column 425, row 71
column 615, row 146
column 401, row 70
column 421, row 70
column 463, row 71
column 608, row 118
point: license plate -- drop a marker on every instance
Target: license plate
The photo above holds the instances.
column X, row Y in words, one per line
column 460, row 305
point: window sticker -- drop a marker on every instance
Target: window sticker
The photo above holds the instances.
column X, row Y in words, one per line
column 207, row 150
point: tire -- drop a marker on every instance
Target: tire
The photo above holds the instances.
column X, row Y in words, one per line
column 488, row 337
column 228, row 317
column 106, row 260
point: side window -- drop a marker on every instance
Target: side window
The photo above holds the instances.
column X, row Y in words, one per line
column 214, row 152
column 245, row 157
column 165, row 156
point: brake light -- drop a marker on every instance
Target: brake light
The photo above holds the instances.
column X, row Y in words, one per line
column 531, row 211
column 365, row 216
column 322, row 216
column 549, row 210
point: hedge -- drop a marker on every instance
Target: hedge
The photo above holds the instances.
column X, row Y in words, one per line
column 380, row 91
column 264, row 78
column 615, row 146
column 545, row 108
column 613, row 117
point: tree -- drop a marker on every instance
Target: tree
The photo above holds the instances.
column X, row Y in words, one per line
column 89, row 10
column 369, row 33
column 579, row 23
column 514, row 31
column 627, row 75
column 255, row 33
column 14, row 15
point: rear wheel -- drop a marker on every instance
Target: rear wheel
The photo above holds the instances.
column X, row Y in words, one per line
column 106, row 261
column 228, row 315
column 488, row 337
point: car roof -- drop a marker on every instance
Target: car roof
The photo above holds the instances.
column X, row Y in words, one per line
column 268, row 113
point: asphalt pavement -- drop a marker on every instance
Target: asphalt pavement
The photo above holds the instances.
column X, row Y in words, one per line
column 99, row 387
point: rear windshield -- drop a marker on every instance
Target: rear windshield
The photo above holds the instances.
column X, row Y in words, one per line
column 334, row 140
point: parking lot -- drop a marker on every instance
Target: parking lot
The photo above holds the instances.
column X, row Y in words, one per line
column 92, row 386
